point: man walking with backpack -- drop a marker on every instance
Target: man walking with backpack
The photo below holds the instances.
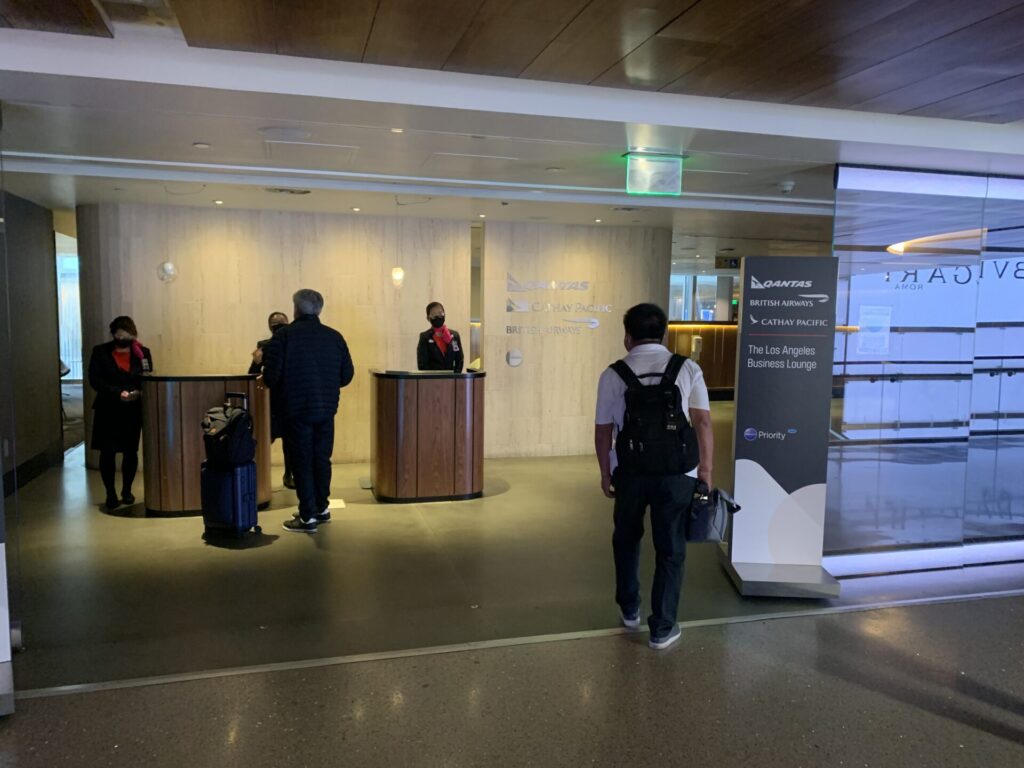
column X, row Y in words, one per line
column 653, row 405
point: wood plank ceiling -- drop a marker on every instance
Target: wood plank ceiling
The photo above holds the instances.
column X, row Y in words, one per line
column 961, row 59
column 77, row 17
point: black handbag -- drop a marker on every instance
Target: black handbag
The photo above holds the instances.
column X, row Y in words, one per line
column 708, row 517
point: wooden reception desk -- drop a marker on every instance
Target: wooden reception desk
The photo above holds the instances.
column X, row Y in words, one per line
column 427, row 436
column 172, row 436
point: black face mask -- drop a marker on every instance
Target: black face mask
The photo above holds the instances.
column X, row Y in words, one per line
column 437, row 322
column 123, row 343
column 275, row 328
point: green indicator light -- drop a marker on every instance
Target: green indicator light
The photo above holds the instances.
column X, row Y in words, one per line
column 654, row 175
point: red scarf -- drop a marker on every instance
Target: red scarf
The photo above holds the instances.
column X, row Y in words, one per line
column 123, row 357
column 442, row 337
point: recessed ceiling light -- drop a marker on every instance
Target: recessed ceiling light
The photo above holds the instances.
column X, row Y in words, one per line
column 200, row 145
column 218, row 202
column 398, row 130
column 357, row 210
column 597, row 221
column 698, row 255
column 483, row 215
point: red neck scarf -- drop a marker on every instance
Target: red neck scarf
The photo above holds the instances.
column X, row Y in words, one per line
column 442, row 337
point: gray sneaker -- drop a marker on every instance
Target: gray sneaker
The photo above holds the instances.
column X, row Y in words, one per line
column 661, row 643
column 630, row 620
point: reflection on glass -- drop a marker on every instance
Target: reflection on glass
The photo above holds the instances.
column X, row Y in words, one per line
column 680, row 301
column 995, row 490
column 910, row 249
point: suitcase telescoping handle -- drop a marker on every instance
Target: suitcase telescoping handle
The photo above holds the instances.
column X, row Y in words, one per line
column 229, row 396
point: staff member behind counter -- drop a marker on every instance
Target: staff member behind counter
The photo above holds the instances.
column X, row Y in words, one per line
column 440, row 349
column 275, row 322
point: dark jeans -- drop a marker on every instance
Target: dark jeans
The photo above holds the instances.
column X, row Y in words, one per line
column 309, row 446
column 108, row 470
column 669, row 497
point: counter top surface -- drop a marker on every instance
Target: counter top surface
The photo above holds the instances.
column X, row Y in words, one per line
column 427, row 374
column 206, row 377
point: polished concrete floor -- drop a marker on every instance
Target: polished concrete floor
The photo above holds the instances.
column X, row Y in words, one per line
column 938, row 685
column 108, row 597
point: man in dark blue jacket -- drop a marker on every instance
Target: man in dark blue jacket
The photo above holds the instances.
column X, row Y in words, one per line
column 306, row 364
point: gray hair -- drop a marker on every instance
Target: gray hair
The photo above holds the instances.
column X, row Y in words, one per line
column 308, row 302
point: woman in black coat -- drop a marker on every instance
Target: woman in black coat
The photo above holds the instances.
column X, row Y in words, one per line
column 439, row 349
column 115, row 372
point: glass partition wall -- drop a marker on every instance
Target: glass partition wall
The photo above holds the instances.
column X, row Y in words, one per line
column 928, row 410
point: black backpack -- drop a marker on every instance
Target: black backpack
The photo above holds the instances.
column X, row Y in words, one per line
column 656, row 438
column 228, row 434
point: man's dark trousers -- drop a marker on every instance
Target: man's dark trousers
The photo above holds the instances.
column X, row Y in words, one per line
column 309, row 446
column 669, row 497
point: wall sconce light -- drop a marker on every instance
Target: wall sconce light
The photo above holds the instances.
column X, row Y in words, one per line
column 397, row 276
column 167, row 272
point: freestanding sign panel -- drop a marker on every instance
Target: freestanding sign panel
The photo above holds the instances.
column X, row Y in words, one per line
column 783, row 397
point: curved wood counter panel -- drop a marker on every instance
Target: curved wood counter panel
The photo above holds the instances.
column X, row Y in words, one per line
column 427, row 436
column 172, row 437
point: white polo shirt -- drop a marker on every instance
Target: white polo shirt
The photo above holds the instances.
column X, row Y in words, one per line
column 647, row 358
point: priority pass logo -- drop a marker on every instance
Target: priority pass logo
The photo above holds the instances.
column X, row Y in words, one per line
column 750, row 434
column 514, row 358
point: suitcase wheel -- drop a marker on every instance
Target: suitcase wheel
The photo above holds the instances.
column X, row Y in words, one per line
column 257, row 530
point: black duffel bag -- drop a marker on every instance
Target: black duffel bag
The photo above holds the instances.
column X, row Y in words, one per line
column 228, row 434
column 709, row 514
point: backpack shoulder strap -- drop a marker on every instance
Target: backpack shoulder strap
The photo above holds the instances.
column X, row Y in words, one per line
column 626, row 374
column 675, row 365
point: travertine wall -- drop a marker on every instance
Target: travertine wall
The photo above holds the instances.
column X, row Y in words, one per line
column 236, row 266
column 545, row 406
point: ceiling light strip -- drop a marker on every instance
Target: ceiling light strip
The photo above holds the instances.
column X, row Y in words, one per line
column 85, row 161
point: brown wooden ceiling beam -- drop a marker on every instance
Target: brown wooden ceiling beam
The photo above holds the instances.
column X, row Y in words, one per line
column 72, row 17
column 320, row 29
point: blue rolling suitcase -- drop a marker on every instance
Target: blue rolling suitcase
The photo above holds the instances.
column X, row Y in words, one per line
column 229, row 500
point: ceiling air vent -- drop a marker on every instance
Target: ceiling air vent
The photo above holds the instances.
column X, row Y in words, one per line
column 285, row 191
